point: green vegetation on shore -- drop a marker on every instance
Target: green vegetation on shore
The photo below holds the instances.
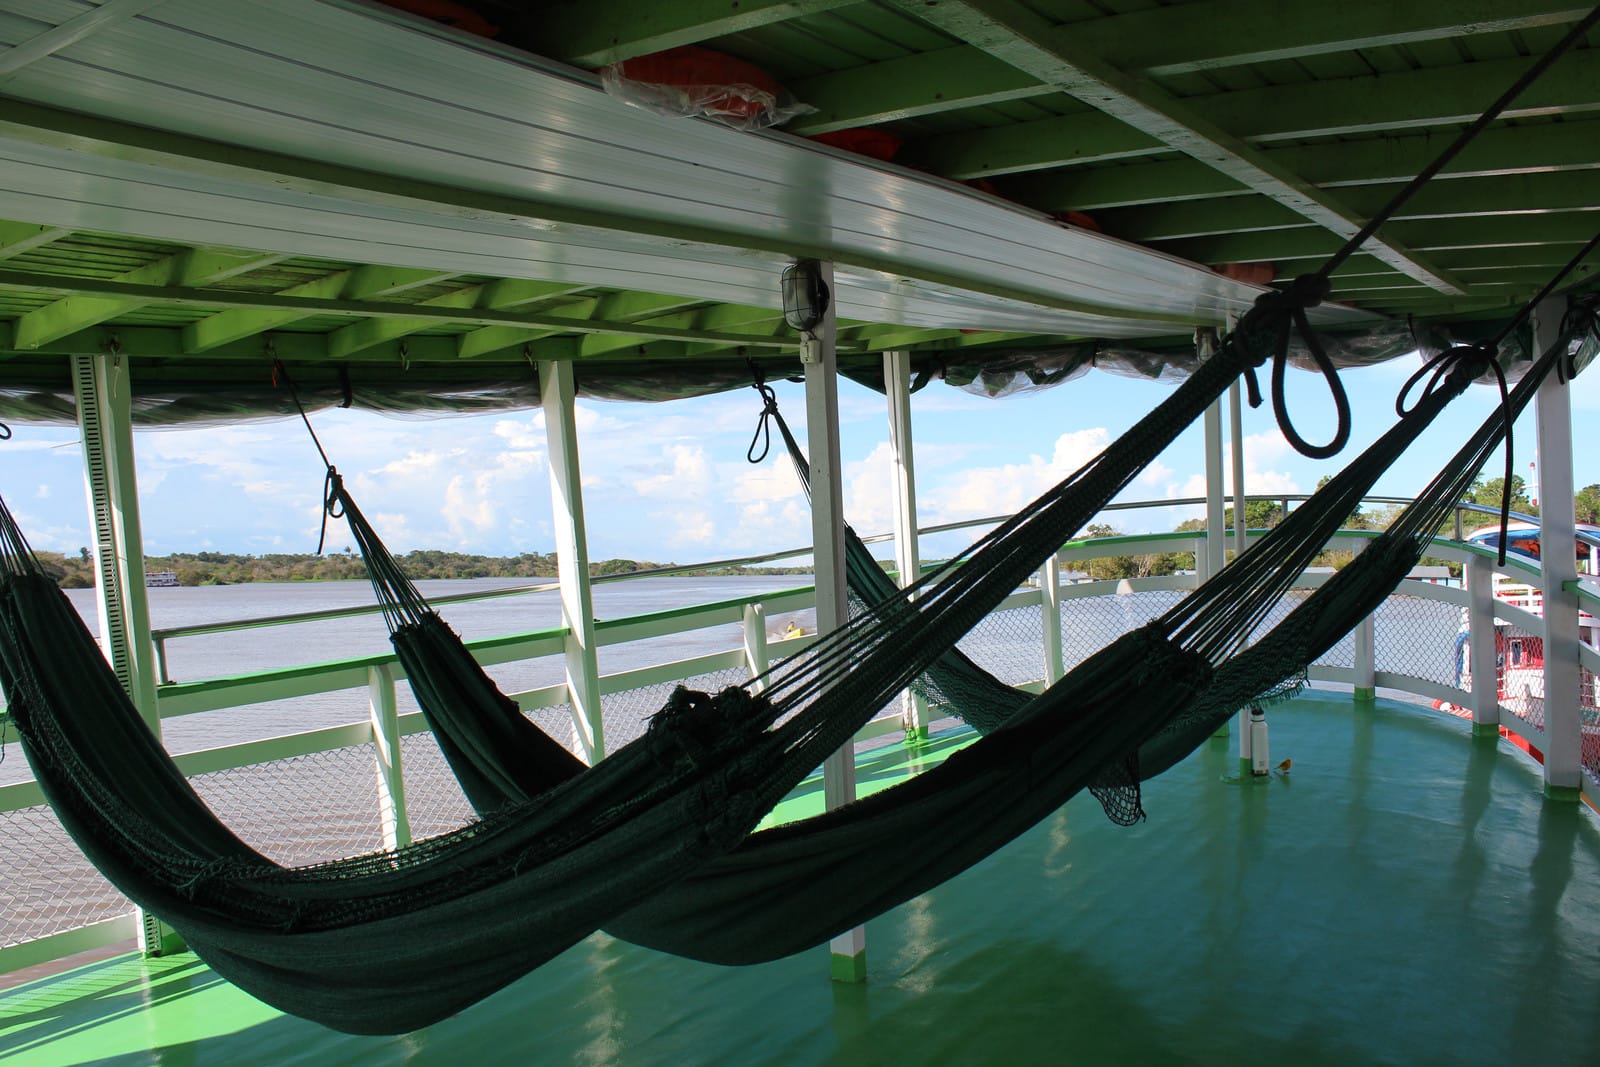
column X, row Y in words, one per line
column 223, row 568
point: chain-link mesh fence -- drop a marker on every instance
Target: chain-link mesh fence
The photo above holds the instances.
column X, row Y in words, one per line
column 1009, row 644
column 1589, row 711
column 46, row 884
column 340, row 786
column 434, row 802
column 1416, row 638
column 1090, row 623
column 1519, row 672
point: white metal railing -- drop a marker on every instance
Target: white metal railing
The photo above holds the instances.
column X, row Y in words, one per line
column 1472, row 693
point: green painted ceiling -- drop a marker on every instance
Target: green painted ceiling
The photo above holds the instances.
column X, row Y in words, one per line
column 1212, row 131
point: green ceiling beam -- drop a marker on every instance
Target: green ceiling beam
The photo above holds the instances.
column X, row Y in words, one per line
column 362, row 283
column 192, row 267
column 1480, row 198
column 508, row 294
column 1175, row 39
column 730, row 316
column 346, row 341
column 1394, row 158
column 596, row 32
column 165, row 343
column 1378, row 103
column 613, row 307
column 307, row 307
column 17, row 238
column 1430, row 235
column 1015, row 34
column 1082, row 138
column 238, row 323
column 899, row 89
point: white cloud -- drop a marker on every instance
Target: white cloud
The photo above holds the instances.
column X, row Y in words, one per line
column 773, row 481
column 42, row 492
column 985, row 491
column 689, row 475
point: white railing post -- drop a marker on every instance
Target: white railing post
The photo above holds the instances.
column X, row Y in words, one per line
column 1481, row 655
column 1364, row 661
column 817, row 353
column 385, row 715
column 755, row 642
column 1563, row 726
column 1050, row 617
column 907, row 552
column 557, row 395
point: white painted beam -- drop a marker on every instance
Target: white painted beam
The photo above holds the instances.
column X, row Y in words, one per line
column 558, row 395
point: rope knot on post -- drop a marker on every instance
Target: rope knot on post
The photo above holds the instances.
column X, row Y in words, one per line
column 1264, row 334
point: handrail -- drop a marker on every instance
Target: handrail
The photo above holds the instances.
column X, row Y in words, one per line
column 161, row 635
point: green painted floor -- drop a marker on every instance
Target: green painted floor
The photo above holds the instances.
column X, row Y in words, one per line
column 1404, row 896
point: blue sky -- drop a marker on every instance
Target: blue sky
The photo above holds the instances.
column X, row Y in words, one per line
column 669, row 482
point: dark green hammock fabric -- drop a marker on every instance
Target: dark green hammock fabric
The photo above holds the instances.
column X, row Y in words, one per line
column 394, row 940
column 358, row 943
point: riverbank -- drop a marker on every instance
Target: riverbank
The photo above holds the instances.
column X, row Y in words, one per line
column 223, row 568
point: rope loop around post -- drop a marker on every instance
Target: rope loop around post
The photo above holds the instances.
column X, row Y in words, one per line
column 769, row 408
column 1265, row 333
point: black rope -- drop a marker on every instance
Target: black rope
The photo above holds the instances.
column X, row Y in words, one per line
column 5, row 432
column 1462, row 140
column 769, row 408
column 1267, row 328
column 332, row 484
column 1457, row 357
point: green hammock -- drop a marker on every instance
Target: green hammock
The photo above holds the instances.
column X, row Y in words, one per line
column 358, row 943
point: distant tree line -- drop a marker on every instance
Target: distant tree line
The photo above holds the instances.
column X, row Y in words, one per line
column 225, row 568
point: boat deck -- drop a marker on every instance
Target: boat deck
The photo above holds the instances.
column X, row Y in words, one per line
column 1404, row 895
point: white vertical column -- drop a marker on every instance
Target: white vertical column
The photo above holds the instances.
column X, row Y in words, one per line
column 1216, row 514
column 1236, row 453
column 385, row 718
column 1364, row 661
column 756, row 657
column 105, row 421
column 1050, row 617
column 827, row 539
column 907, row 552
column 1481, row 655
column 557, row 394
column 1558, row 562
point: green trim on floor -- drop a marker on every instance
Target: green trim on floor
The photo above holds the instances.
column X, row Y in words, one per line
column 1486, row 730
column 1563, row 794
column 1365, row 695
column 848, row 969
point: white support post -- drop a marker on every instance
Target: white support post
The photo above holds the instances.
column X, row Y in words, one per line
column 1482, row 659
column 907, row 553
column 1216, row 515
column 105, row 422
column 1563, row 725
column 1236, row 453
column 385, row 717
column 756, row 657
column 1050, row 617
column 817, row 353
column 1364, row 661
column 557, row 395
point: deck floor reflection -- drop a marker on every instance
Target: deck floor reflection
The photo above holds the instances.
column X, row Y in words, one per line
column 1404, row 895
